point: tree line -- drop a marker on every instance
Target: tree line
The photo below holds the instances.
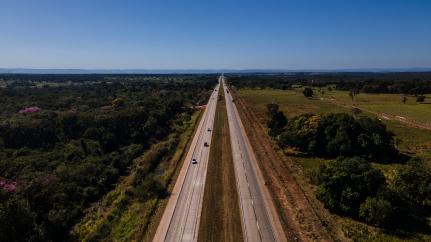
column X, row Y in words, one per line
column 417, row 83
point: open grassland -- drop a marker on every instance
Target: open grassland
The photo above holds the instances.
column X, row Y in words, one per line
column 383, row 103
column 413, row 141
column 220, row 218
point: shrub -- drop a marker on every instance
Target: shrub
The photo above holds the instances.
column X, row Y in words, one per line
column 150, row 187
column 277, row 120
column 376, row 210
column 413, row 183
column 420, row 99
column 345, row 183
column 339, row 135
column 308, row 92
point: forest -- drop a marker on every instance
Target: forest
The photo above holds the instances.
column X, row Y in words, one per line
column 65, row 140
column 414, row 83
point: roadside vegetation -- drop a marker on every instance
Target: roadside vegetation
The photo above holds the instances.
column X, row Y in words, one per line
column 131, row 211
column 373, row 173
column 66, row 143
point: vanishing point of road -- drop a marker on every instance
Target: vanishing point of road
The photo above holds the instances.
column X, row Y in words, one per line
column 259, row 219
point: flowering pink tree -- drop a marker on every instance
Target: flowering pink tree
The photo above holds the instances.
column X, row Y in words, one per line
column 30, row 110
column 7, row 186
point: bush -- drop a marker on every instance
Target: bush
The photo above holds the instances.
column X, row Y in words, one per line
column 150, row 187
column 376, row 210
column 413, row 183
column 346, row 183
column 339, row 134
column 308, row 92
column 277, row 120
column 420, row 99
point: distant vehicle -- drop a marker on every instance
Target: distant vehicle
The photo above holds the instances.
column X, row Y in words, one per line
column 209, row 130
column 206, row 144
column 194, row 161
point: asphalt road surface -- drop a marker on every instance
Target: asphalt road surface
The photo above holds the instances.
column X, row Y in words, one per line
column 259, row 218
column 180, row 220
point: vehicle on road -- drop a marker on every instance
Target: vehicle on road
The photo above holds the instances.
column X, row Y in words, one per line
column 194, row 161
column 206, row 144
column 209, row 129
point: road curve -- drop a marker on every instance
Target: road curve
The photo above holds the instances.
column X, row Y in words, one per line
column 180, row 220
column 260, row 220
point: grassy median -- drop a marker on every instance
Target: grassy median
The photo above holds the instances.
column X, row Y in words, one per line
column 220, row 217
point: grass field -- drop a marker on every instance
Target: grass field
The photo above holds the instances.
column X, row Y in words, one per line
column 220, row 218
column 384, row 103
column 414, row 141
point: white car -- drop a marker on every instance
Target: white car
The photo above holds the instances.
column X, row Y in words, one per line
column 194, row 161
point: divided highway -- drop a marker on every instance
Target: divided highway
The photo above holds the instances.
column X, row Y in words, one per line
column 260, row 220
column 180, row 220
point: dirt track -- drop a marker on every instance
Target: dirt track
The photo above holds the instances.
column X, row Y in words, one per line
column 303, row 217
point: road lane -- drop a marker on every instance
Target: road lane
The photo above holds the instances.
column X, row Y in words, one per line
column 180, row 220
column 259, row 217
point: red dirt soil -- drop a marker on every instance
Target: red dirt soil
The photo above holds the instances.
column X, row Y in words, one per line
column 303, row 216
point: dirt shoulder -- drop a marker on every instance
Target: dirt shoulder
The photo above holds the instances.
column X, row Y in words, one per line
column 220, row 218
column 303, row 217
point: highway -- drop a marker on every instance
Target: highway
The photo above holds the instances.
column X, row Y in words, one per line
column 180, row 220
column 260, row 221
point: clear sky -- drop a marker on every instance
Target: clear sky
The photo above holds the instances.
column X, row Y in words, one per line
column 200, row 34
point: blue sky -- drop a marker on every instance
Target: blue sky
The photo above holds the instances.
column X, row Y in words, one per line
column 201, row 34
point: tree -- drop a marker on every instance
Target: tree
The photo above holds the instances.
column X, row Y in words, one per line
column 277, row 120
column 118, row 102
column 346, row 183
column 420, row 98
column 339, row 134
column 16, row 219
column 413, row 182
column 376, row 210
column 352, row 94
column 272, row 109
column 308, row 92
column 276, row 124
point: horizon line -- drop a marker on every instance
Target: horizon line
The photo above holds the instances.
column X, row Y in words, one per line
column 24, row 70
